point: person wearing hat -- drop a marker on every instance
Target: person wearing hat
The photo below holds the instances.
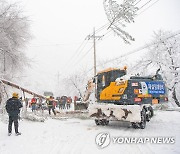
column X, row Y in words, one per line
column 50, row 103
column 13, row 106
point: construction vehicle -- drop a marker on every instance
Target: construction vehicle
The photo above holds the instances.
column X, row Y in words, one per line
column 124, row 98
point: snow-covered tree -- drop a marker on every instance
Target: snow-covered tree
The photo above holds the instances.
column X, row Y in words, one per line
column 164, row 53
column 75, row 84
column 119, row 15
column 14, row 34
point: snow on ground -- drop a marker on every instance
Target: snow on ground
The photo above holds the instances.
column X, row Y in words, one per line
column 77, row 136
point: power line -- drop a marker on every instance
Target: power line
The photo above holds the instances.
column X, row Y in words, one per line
column 148, row 7
column 125, row 11
column 144, row 47
column 137, row 11
column 81, row 49
column 88, row 51
column 141, row 48
column 145, row 4
column 137, row 3
column 102, row 28
column 76, row 53
column 84, row 55
column 56, row 44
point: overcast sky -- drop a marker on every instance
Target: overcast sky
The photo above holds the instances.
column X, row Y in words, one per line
column 59, row 27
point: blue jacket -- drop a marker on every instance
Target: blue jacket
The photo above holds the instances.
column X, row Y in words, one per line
column 13, row 106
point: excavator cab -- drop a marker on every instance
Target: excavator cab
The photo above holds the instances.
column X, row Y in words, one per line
column 105, row 78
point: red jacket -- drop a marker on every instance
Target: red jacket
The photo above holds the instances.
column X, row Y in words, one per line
column 33, row 101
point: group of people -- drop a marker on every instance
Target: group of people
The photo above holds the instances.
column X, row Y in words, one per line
column 63, row 102
column 35, row 103
column 14, row 104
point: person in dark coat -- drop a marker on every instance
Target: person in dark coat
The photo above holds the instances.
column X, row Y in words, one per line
column 13, row 106
column 64, row 99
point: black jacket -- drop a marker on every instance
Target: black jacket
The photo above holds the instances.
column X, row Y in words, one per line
column 13, row 106
column 50, row 103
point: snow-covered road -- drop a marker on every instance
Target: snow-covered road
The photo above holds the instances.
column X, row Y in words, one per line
column 78, row 136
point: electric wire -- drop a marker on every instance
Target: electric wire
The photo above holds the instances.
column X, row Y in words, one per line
column 145, row 4
column 148, row 7
column 97, row 31
column 88, row 51
column 76, row 53
column 138, row 49
column 107, row 24
column 144, row 47
column 104, row 26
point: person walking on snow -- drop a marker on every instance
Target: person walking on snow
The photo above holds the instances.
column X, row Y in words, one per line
column 13, row 106
column 50, row 105
column 33, row 104
column 64, row 98
column 69, row 101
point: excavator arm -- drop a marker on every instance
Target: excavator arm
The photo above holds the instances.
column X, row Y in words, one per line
column 89, row 90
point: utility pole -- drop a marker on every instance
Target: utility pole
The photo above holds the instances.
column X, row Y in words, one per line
column 58, row 75
column 4, row 70
column 94, row 40
column 94, row 37
column 58, row 83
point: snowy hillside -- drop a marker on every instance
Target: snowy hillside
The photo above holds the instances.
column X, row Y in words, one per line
column 78, row 136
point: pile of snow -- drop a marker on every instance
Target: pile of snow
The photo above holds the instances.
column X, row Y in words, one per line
column 34, row 117
column 74, row 135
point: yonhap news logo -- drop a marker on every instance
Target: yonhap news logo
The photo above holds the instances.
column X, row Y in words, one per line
column 103, row 139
